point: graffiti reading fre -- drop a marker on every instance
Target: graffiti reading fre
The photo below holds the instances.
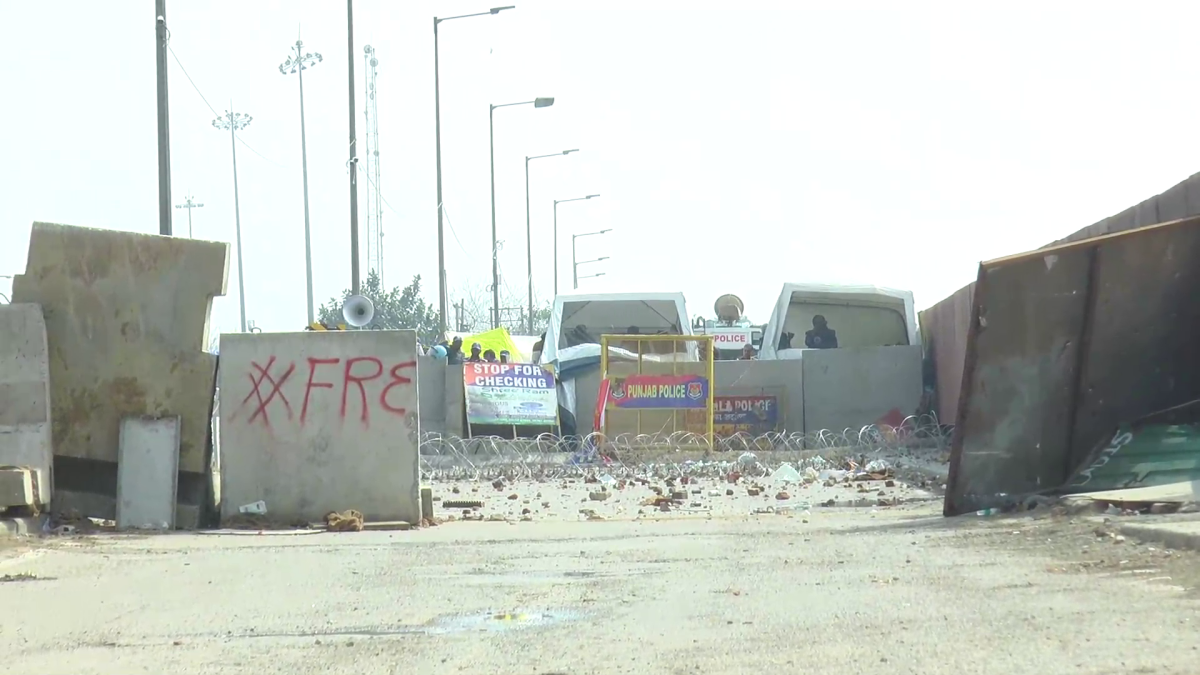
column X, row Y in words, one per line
column 267, row 384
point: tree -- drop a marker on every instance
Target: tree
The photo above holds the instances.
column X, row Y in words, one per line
column 472, row 312
column 394, row 309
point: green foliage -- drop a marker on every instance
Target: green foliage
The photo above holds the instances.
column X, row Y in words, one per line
column 394, row 309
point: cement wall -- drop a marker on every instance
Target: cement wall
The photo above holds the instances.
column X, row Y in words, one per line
column 126, row 321
column 25, row 396
column 944, row 337
column 855, row 387
column 317, row 421
column 784, row 379
column 851, row 388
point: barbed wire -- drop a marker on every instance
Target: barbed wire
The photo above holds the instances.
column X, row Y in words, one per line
column 627, row 456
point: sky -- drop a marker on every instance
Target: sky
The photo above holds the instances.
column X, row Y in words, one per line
column 735, row 146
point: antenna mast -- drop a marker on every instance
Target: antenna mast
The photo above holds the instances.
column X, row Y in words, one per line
column 374, row 198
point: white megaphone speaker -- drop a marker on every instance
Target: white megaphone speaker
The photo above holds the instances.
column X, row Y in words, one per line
column 358, row 310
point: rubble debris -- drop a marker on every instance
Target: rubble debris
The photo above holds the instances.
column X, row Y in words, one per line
column 599, row 495
column 514, row 496
column 346, row 521
column 781, row 495
column 786, row 473
column 258, row 508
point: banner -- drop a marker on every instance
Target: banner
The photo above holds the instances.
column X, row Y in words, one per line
column 754, row 415
column 659, row 391
column 510, row 393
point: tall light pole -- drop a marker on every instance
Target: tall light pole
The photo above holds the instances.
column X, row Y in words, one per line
column 443, row 294
column 189, row 204
column 235, row 122
column 162, row 35
column 529, row 232
column 298, row 63
column 575, row 265
column 556, row 203
column 543, row 102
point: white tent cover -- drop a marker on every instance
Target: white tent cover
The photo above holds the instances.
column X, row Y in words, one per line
column 833, row 295
column 582, row 318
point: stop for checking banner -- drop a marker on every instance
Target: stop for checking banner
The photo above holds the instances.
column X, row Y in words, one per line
column 510, row 394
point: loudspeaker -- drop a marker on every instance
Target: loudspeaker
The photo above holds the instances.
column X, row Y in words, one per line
column 358, row 310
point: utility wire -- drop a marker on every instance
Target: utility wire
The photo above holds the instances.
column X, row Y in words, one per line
column 214, row 110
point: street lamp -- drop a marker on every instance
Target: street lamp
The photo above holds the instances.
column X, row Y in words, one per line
column 189, row 204
column 528, row 231
column 575, row 265
column 437, row 125
column 235, row 122
column 298, row 63
column 590, row 276
column 556, row 203
column 543, row 102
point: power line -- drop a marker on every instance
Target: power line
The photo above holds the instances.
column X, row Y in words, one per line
column 214, row 110
column 192, row 82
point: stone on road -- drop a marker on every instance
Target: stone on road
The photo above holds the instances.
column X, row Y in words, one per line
column 837, row 590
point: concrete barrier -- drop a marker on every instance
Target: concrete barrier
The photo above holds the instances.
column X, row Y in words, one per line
column 321, row 421
column 25, row 400
column 851, row 388
column 127, row 321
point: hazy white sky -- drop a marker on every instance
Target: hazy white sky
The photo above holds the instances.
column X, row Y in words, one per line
column 736, row 146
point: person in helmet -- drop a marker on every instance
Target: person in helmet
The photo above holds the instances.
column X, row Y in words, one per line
column 476, row 353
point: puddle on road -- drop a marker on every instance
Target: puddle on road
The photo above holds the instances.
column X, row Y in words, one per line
column 487, row 622
column 480, row 576
column 527, row 577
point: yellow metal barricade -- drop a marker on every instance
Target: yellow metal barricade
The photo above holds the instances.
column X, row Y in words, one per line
column 658, row 385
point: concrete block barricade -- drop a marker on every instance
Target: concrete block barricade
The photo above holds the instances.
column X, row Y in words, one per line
column 126, row 320
column 316, row 422
column 24, row 406
column 851, row 388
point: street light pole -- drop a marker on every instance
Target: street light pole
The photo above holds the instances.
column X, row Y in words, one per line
column 529, row 231
column 189, row 204
column 556, row 203
column 443, row 294
column 298, row 63
column 575, row 265
column 541, row 102
column 164, row 123
column 235, row 122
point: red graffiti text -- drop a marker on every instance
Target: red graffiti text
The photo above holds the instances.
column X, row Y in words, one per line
column 364, row 383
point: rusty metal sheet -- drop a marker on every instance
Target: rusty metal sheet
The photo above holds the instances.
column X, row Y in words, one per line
column 944, row 337
column 1064, row 343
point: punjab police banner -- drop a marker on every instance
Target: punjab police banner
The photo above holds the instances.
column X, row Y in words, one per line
column 659, row 391
column 754, row 415
column 510, row 394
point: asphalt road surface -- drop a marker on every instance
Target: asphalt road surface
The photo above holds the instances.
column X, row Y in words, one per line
column 894, row 589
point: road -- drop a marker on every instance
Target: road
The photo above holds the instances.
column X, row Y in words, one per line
column 839, row 590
